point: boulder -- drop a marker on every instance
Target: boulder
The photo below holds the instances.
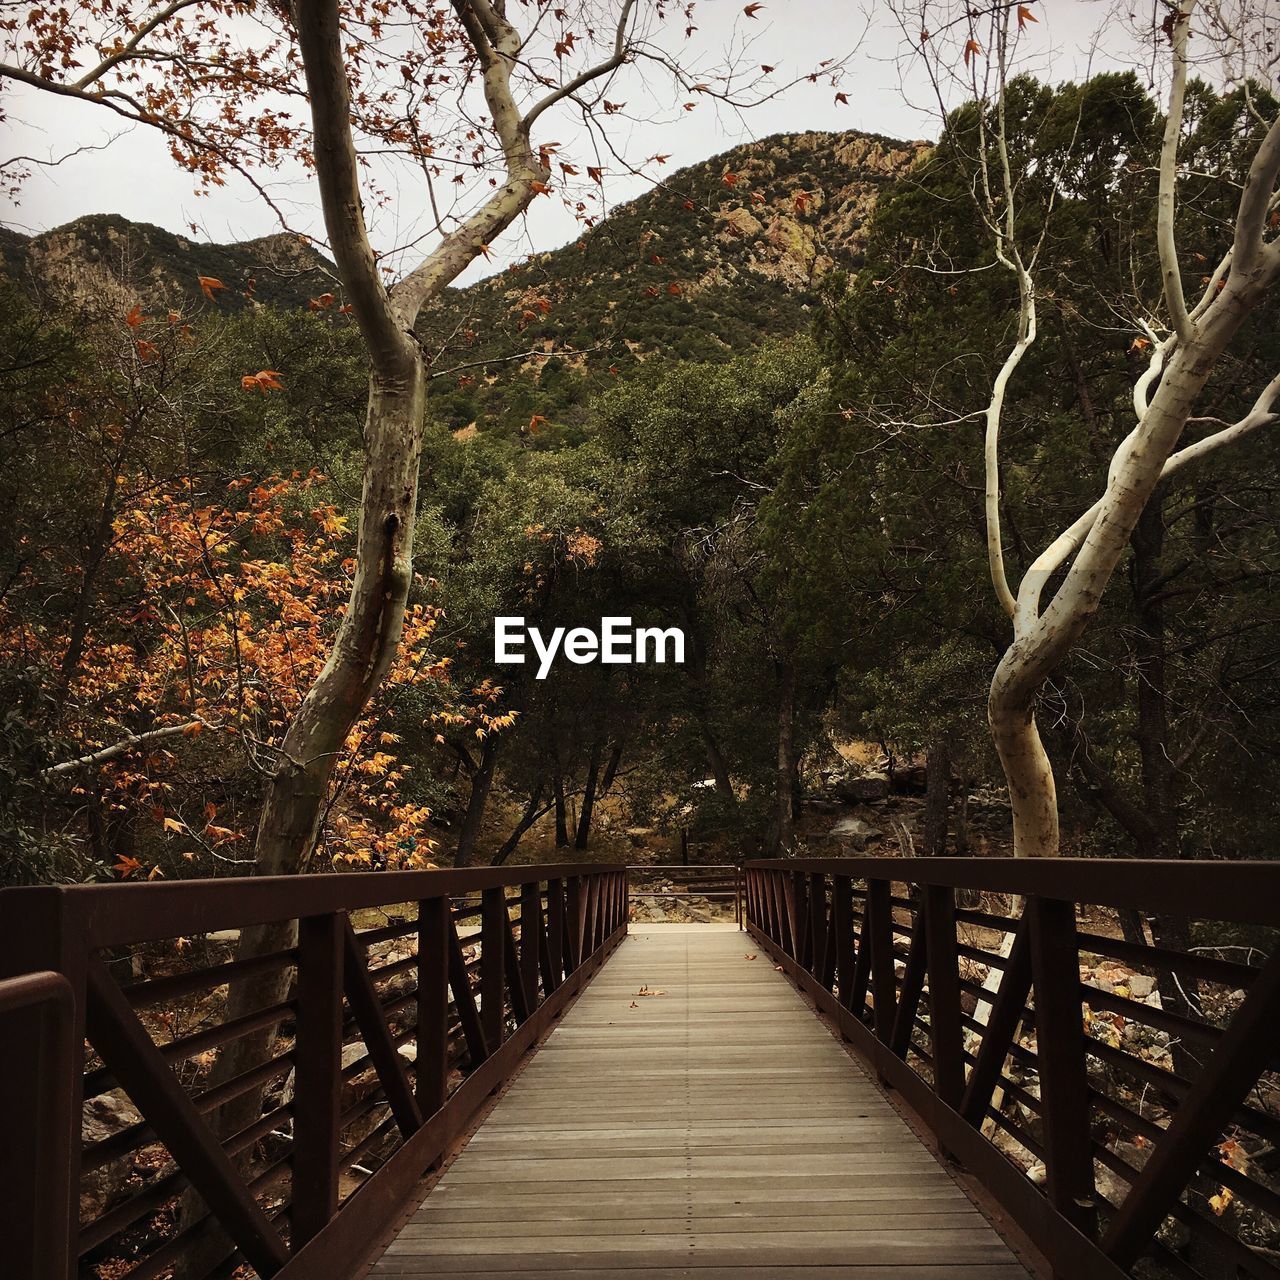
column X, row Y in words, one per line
column 867, row 789
column 104, row 1117
column 855, row 831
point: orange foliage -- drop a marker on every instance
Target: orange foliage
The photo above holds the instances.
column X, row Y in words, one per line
column 231, row 610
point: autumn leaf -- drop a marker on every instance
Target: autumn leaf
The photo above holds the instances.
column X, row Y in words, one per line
column 537, row 422
column 596, row 175
column 752, row 9
column 146, row 350
column 674, row 289
column 135, row 317
column 612, row 108
column 208, row 284
column 1139, row 344
column 1024, row 16
column 730, row 179
column 971, row 49
column 264, row 381
column 843, row 99
column 322, row 303
column 650, row 291
column 768, row 70
column 175, row 824
column 688, row 204
column 126, row 866
column 802, row 201
column 1222, row 1201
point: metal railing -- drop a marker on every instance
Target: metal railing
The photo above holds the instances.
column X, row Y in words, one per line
column 1122, row 1119
column 274, row 1094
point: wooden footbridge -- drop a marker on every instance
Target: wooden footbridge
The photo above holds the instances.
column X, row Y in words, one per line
column 915, row 1069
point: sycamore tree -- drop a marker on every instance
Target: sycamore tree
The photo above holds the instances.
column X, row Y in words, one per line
column 463, row 94
column 973, row 50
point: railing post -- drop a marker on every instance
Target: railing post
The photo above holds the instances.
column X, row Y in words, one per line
column 530, row 937
column 493, row 929
column 317, row 1076
column 432, row 1075
column 817, row 897
column 573, row 923
column 842, row 923
column 553, row 973
column 943, row 962
column 1060, row 1053
column 40, row 1091
column 877, row 936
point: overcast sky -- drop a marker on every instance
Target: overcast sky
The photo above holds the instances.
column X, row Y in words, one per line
column 134, row 176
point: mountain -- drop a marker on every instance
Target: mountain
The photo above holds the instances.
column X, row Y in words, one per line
column 713, row 260
column 718, row 258
column 161, row 268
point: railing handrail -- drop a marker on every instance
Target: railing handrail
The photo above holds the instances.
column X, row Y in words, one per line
column 121, row 914
column 1245, row 892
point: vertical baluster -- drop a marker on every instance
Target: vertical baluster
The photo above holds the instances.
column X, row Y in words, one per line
column 1064, row 1087
column 842, row 925
column 573, row 923
column 553, row 972
column 944, row 993
column 877, row 938
column 816, row 887
column 493, row 929
column 530, row 938
column 432, row 1074
column 317, row 1076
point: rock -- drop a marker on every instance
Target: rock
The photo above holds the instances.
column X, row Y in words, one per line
column 104, row 1117
column 867, row 789
column 1140, row 986
column 910, row 780
column 855, row 831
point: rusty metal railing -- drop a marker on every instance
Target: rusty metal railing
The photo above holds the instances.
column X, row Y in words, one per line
column 1118, row 1097
column 270, row 1065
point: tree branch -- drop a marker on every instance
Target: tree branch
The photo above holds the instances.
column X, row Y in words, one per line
column 1166, row 242
column 123, row 747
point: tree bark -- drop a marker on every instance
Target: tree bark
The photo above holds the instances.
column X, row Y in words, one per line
column 562, row 813
column 533, row 810
column 473, row 819
column 937, row 798
column 785, row 816
column 582, row 839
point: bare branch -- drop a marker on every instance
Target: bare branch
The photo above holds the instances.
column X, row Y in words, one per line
column 1166, row 242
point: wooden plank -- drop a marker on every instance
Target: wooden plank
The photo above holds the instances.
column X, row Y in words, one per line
column 713, row 1127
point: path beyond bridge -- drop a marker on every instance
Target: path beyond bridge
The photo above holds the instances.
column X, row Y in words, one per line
column 691, row 1117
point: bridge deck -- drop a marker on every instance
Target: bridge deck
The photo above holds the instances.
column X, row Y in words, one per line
column 711, row 1129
